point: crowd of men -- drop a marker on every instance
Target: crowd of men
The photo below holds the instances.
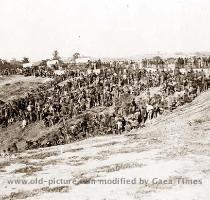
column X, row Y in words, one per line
column 9, row 72
column 111, row 100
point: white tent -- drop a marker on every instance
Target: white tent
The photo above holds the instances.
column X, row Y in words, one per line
column 59, row 72
column 83, row 60
column 31, row 64
column 27, row 65
column 50, row 63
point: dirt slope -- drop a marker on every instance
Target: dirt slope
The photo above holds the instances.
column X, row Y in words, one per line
column 174, row 145
column 16, row 86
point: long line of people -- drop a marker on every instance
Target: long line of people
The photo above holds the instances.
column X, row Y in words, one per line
column 114, row 86
column 177, row 90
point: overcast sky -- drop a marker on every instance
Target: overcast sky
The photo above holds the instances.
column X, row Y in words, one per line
column 116, row 28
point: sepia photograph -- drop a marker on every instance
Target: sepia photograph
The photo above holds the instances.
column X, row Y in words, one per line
column 104, row 100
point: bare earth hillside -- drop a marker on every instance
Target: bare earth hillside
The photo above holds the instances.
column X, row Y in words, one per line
column 169, row 159
column 17, row 86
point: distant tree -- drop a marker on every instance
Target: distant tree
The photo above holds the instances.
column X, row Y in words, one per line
column 180, row 62
column 4, row 64
column 204, row 61
column 25, row 60
column 195, row 62
column 56, row 55
column 43, row 63
column 208, row 61
column 15, row 62
column 144, row 62
column 76, row 55
column 158, row 61
column 186, row 61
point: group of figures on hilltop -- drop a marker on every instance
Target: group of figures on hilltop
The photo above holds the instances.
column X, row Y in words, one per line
column 115, row 99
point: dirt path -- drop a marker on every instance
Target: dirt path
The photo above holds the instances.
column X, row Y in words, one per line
column 173, row 146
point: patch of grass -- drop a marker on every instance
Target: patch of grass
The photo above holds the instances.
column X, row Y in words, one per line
column 199, row 121
column 98, row 157
column 18, row 195
column 42, row 155
column 105, row 145
column 40, row 163
column 206, row 171
column 75, row 162
column 26, row 194
column 73, row 150
column 118, row 167
column 4, row 164
column 85, row 158
column 25, row 161
column 105, row 153
column 49, row 162
column 59, row 189
column 29, row 170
